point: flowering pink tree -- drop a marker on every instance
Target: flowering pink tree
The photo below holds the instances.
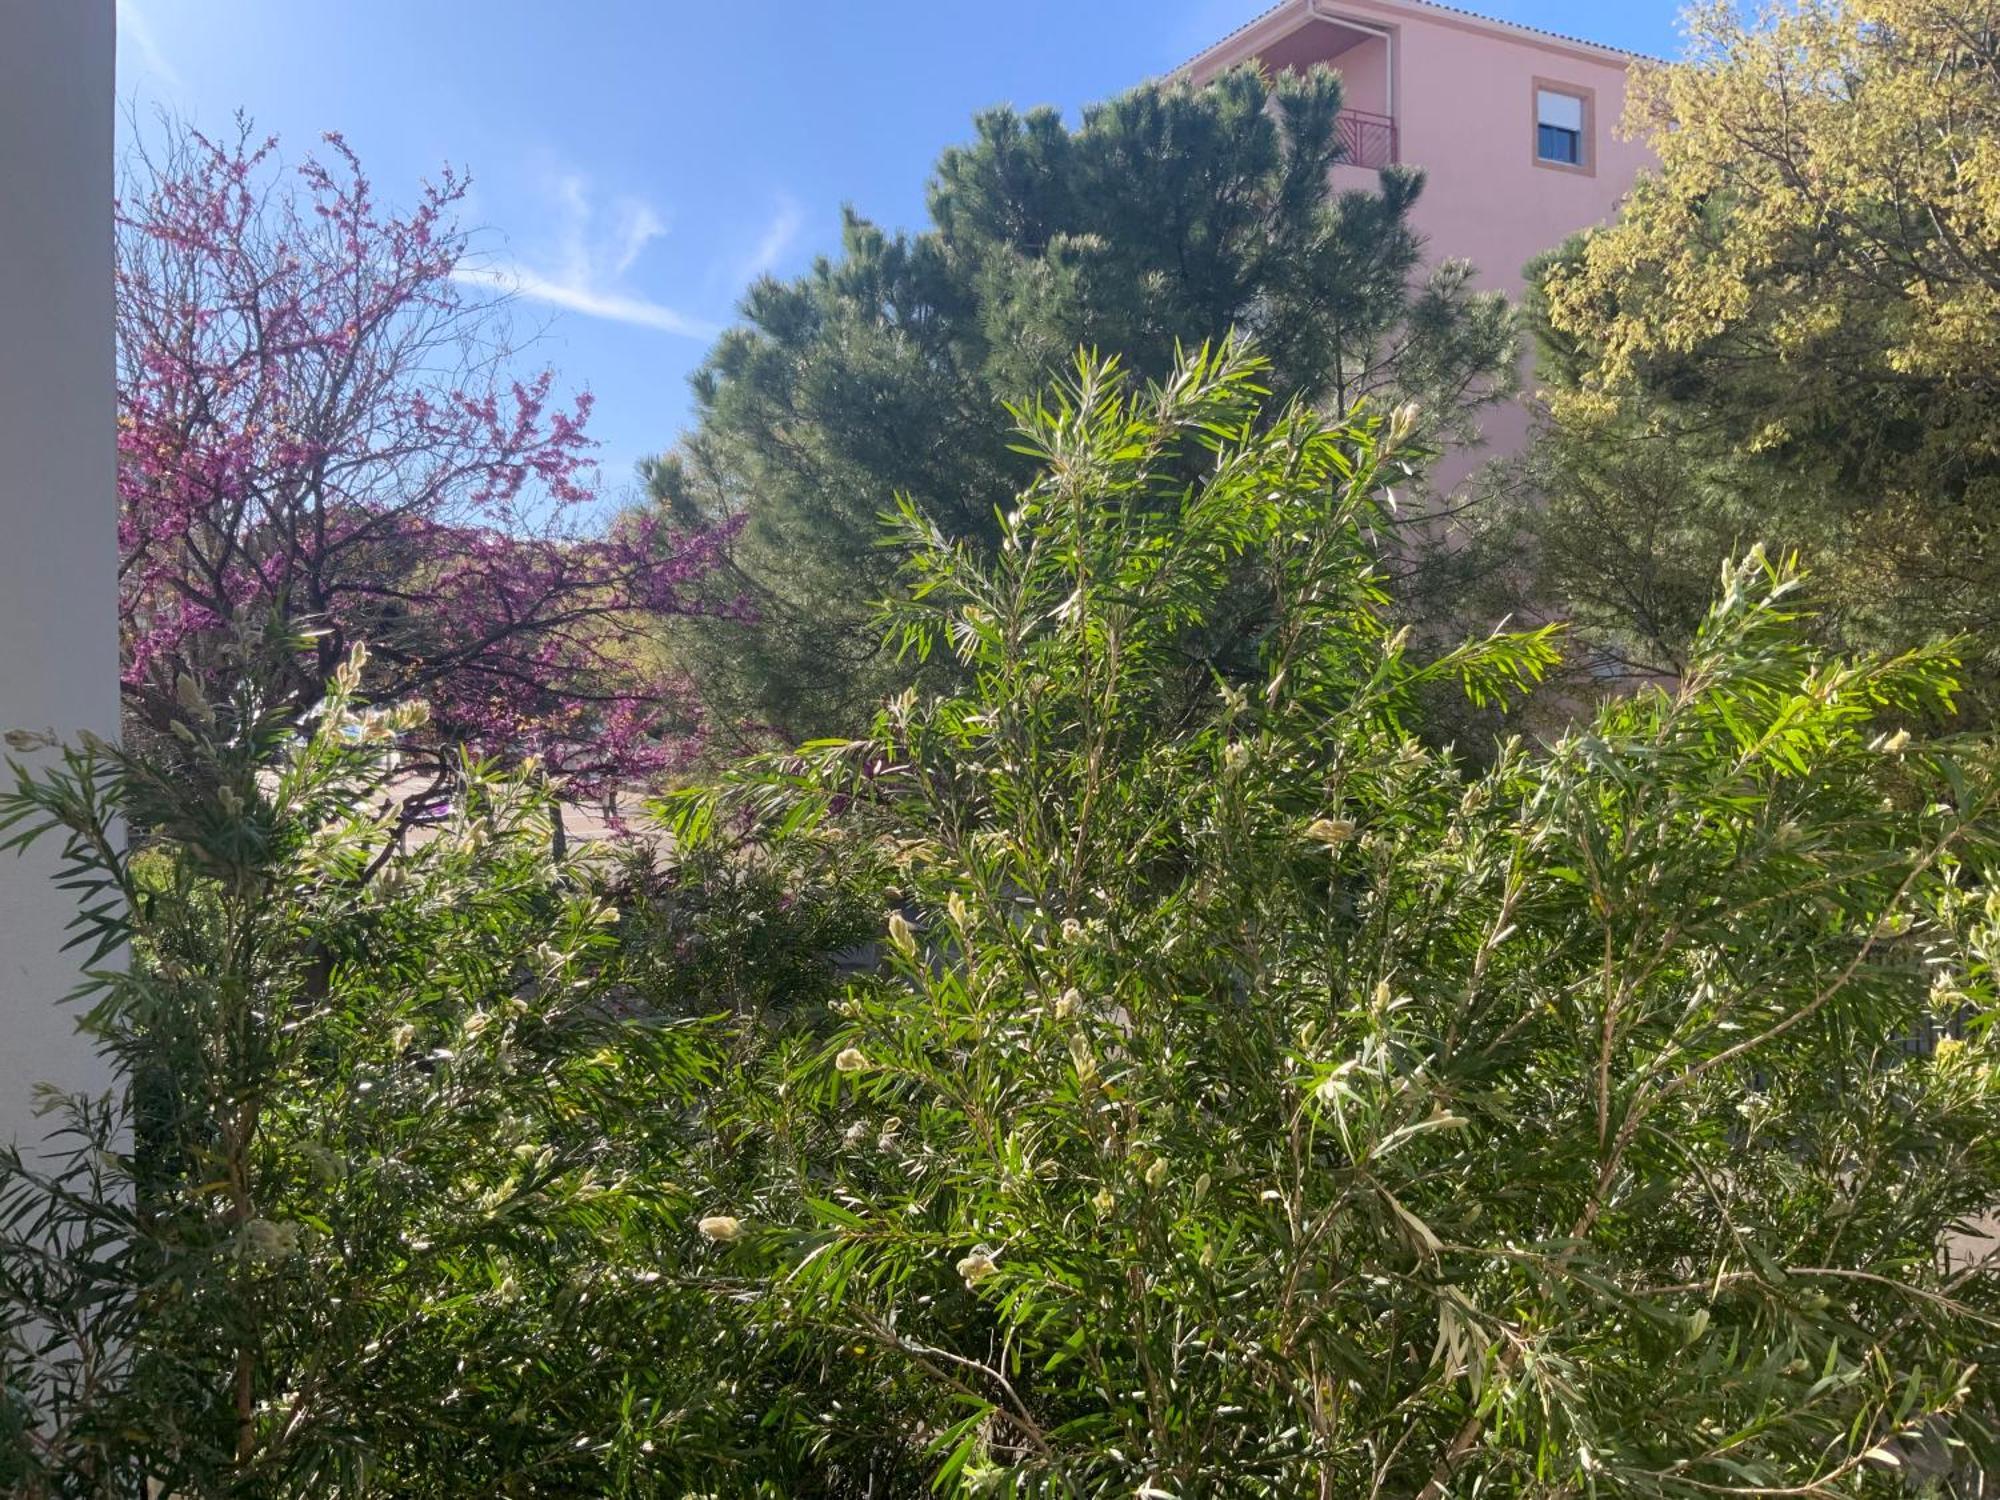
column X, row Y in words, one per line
column 318, row 431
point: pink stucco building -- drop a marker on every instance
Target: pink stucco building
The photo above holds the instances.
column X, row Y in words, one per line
column 1513, row 127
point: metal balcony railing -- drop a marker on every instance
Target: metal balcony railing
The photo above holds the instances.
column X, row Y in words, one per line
column 1366, row 140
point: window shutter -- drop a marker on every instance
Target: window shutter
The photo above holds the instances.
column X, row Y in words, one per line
column 1563, row 111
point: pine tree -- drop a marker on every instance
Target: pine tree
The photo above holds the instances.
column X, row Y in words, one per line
column 1169, row 216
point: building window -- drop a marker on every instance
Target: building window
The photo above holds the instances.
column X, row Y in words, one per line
column 1560, row 125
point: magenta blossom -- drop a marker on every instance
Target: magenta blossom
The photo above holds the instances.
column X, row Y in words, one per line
column 318, row 429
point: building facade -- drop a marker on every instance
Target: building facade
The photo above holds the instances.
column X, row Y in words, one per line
column 1513, row 128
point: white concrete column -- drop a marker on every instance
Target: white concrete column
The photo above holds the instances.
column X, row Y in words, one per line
column 58, row 498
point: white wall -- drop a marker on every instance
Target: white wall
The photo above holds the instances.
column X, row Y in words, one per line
column 58, row 506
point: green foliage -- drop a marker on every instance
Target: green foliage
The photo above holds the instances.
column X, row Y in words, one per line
column 1256, row 1102
column 709, row 931
column 1788, row 335
column 1240, row 1096
column 1169, row 213
column 375, row 1220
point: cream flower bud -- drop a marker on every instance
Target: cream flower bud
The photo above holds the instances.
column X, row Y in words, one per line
column 1330, row 831
column 188, row 694
column 1157, row 1172
column 852, row 1060
column 262, row 1239
column 977, row 1266
column 902, row 934
column 348, row 673
column 1080, row 1056
column 721, row 1228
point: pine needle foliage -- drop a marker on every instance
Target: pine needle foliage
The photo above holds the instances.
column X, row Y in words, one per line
column 1168, row 214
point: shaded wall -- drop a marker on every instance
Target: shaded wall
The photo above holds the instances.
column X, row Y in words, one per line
column 58, row 516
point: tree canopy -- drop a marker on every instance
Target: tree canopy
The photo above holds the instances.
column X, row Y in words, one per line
column 1169, row 215
column 1790, row 333
column 320, row 433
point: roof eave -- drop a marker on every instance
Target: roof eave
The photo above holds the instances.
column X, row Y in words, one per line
column 1289, row 15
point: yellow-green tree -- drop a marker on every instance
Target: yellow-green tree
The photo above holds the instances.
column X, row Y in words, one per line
column 1793, row 331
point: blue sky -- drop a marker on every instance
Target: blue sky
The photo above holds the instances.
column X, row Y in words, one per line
column 637, row 162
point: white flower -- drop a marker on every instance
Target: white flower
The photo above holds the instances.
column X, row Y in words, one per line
column 852, row 1060
column 1080, row 1055
column 1330, row 831
column 977, row 1266
column 1070, row 1003
column 265, row 1240
column 188, row 693
column 1157, row 1172
column 1896, row 743
column 856, row 1133
column 1072, row 930
column 721, row 1228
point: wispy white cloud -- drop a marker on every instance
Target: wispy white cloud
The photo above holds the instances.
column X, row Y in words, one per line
column 639, row 227
column 619, row 307
column 135, row 28
column 778, row 237
column 592, row 252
